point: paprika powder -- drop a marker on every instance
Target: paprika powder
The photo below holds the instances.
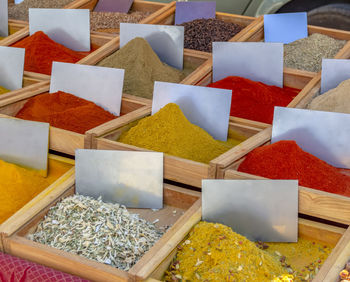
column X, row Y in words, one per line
column 286, row 160
column 255, row 100
column 64, row 110
column 41, row 51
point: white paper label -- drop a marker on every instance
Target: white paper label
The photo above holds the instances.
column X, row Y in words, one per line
column 256, row 61
column 11, row 67
column 166, row 41
column 4, row 29
column 334, row 72
column 325, row 135
column 69, row 27
column 100, row 85
column 209, row 108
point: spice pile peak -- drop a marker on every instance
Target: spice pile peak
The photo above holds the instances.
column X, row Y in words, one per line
column 142, row 67
column 41, row 51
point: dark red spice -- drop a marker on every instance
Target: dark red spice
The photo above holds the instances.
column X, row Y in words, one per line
column 255, row 100
column 64, row 111
column 41, row 51
column 286, row 160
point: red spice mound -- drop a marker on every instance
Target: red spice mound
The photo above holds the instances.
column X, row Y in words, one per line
column 255, row 100
column 41, row 51
column 64, row 111
column 286, row 160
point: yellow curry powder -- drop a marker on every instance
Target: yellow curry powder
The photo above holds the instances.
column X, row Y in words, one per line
column 19, row 185
column 170, row 132
column 3, row 90
column 213, row 252
column 304, row 258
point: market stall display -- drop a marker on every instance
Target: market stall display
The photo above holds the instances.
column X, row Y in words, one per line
column 73, row 236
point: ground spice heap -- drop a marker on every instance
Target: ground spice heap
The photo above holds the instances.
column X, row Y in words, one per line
column 64, row 110
column 107, row 21
column 334, row 100
column 20, row 11
column 16, row 269
column 19, row 185
column 286, row 160
column 41, row 51
column 3, row 90
column 103, row 232
column 213, row 252
column 142, row 67
column 170, row 132
column 302, row 259
column 344, row 275
column 307, row 53
column 255, row 100
column 199, row 34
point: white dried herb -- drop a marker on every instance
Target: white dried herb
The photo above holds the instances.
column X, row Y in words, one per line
column 104, row 232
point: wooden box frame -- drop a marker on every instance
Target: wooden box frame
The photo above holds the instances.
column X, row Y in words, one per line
column 28, row 210
column 175, row 197
column 97, row 41
column 175, row 168
column 256, row 34
column 155, row 8
column 312, row 202
column 168, row 18
column 61, row 140
column 291, row 78
column 335, row 236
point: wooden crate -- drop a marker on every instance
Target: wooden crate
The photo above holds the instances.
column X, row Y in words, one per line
column 61, row 140
column 334, row 236
column 168, row 18
column 155, row 8
column 311, row 201
column 185, row 202
column 336, row 261
column 29, row 210
column 291, row 78
column 97, row 40
column 175, row 168
column 256, row 34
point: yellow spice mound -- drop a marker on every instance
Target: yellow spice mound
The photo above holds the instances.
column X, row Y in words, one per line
column 170, row 132
column 3, row 90
column 305, row 257
column 19, row 185
column 213, row 252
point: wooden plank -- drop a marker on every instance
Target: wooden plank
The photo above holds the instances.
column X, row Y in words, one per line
column 312, row 202
column 28, row 211
column 174, row 198
column 61, row 140
column 336, row 261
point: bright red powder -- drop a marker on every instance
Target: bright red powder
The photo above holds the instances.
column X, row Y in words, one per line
column 41, row 51
column 65, row 111
column 286, row 160
column 255, row 100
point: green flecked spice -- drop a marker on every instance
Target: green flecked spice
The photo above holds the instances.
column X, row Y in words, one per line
column 307, row 53
column 143, row 67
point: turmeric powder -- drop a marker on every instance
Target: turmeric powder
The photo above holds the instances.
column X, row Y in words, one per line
column 3, row 90
column 304, row 257
column 19, row 185
column 213, row 252
column 170, row 132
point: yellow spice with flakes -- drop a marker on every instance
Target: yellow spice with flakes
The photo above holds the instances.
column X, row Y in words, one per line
column 213, row 252
column 19, row 185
